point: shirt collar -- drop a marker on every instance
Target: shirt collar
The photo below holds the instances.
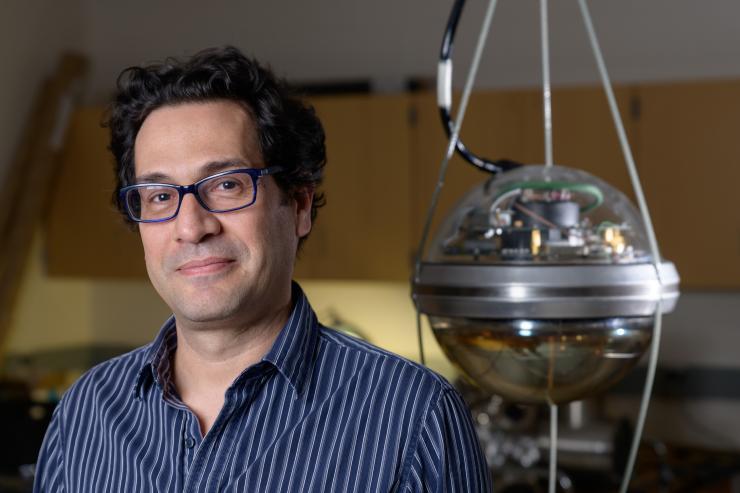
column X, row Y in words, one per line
column 159, row 350
column 291, row 353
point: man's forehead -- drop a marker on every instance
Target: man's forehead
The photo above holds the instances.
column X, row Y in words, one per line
column 196, row 138
column 207, row 169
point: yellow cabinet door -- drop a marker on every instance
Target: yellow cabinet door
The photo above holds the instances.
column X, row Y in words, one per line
column 364, row 230
column 689, row 149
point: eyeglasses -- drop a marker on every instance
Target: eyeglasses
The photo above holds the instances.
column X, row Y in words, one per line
column 223, row 192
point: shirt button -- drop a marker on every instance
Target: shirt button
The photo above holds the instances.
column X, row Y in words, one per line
column 189, row 442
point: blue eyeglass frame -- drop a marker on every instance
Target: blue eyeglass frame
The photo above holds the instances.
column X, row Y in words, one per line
column 254, row 173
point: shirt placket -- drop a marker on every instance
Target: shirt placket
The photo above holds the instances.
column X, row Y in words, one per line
column 239, row 395
column 191, row 440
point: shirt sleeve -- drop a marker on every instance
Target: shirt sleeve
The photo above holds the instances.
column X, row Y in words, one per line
column 448, row 456
column 50, row 464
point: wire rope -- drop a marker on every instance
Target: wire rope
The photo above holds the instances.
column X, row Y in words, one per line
column 546, row 91
column 642, row 203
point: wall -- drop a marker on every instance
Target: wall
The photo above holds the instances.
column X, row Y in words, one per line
column 49, row 313
column 383, row 40
column 33, row 34
column 388, row 41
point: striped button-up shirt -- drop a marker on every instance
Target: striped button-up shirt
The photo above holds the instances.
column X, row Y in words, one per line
column 321, row 412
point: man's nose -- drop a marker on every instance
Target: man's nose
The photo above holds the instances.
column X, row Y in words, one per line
column 194, row 223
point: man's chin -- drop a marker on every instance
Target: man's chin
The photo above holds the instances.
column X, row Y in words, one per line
column 206, row 307
column 205, row 317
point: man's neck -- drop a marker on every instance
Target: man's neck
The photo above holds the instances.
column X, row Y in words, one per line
column 207, row 361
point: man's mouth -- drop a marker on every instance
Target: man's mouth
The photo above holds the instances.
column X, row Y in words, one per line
column 210, row 265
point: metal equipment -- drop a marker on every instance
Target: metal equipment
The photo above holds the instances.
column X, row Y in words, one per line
column 544, row 284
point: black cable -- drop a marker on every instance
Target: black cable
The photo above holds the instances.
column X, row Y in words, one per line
column 445, row 55
column 449, row 36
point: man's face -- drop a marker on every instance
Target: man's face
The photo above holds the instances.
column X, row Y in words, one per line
column 210, row 268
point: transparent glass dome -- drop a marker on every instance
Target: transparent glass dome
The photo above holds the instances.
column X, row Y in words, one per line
column 539, row 214
column 540, row 286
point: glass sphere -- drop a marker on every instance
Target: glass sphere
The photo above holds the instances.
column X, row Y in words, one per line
column 540, row 285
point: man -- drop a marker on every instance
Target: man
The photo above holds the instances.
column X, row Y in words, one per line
column 242, row 390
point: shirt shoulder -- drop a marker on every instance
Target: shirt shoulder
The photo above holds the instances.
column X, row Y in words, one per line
column 367, row 357
column 442, row 452
column 115, row 379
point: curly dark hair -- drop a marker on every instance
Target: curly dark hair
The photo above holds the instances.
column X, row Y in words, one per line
column 289, row 132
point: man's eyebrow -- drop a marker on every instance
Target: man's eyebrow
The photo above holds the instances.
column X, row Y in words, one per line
column 205, row 170
column 153, row 178
column 216, row 166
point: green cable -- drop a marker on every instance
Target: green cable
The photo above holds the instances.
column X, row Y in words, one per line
column 585, row 188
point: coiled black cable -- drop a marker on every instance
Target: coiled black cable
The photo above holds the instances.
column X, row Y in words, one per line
column 444, row 97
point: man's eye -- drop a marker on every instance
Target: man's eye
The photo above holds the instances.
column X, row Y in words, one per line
column 227, row 185
column 162, row 197
column 159, row 197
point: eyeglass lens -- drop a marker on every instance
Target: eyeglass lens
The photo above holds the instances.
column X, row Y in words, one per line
column 219, row 194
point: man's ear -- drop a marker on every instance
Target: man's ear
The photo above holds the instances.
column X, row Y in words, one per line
column 303, row 203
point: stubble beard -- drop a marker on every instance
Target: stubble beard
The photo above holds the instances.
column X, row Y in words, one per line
column 207, row 300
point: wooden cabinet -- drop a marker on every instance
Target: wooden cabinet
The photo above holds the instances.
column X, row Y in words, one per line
column 584, row 135
column 364, row 230
column 689, row 151
column 384, row 153
column 85, row 234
